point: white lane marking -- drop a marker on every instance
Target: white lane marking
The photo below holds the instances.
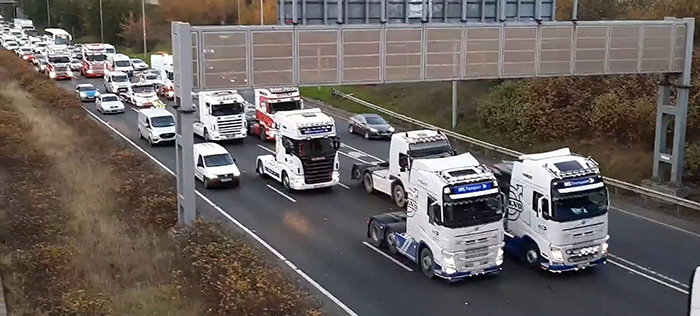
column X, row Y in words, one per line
column 653, row 273
column 281, row 193
column 387, row 256
column 343, row 185
column 266, row 149
column 362, row 152
column 237, row 223
column 649, row 277
column 351, row 157
column 657, row 222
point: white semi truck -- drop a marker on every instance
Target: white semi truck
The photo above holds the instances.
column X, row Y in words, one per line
column 391, row 177
column 556, row 210
column 221, row 116
column 306, row 151
column 694, row 295
column 453, row 224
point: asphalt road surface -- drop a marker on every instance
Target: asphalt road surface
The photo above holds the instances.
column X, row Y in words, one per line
column 322, row 233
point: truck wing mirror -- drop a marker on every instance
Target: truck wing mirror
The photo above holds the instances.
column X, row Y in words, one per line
column 694, row 295
column 543, row 207
column 433, row 216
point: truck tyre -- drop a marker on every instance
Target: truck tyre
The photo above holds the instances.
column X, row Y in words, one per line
column 427, row 264
column 260, row 170
column 375, row 233
column 391, row 242
column 531, row 255
column 367, row 182
column 285, row 182
column 398, row 194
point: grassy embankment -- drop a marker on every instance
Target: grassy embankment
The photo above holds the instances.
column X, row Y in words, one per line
column 432, row 103
column 86, row 223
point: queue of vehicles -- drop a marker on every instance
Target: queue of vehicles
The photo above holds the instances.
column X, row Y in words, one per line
column 456, row 216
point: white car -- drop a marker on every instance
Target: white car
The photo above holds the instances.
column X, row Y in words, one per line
column 214, row 166
column 109, row 103
column 138, row 64
column 75, row 65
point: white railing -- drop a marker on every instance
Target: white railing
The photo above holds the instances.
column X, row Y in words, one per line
column 617, row 184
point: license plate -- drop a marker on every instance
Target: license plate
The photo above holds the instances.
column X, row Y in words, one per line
column 226, row 180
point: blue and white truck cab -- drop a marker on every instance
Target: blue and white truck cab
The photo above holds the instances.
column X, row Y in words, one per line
column 453, row 224
column 556, row 206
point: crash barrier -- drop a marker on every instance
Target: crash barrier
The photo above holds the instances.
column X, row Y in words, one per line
column 679, row 203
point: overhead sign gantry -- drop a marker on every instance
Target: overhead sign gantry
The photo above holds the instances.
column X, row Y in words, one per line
column 244, row 57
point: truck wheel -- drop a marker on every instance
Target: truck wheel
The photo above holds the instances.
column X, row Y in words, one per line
column 367, row 182
column 260, row 170
column 374, row 233
column 285, row 182
column 427, row 264
column 391, row 242
column 399, row 195
column 531, row 255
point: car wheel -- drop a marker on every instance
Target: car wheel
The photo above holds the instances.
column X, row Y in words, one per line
column 366, row 135
column 350, row 129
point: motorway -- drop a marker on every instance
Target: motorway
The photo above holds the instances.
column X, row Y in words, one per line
column 322, row 233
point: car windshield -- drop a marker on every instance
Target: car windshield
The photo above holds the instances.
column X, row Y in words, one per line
column 434, row 149
column 122, row 63
column 472, row 211
column 218, row 160
column 62, row 40
column 26, row 49
column 227, row 109
column 162, row 121
column 285, row 106
column 110, row 98
column 315, row 147
column 95, row 57
column 151, row 77
column 120, row 78
column 59, row 60
column 86, row 88
column 143, row 89
column 111, row 51
column 580, row 205
column 137, row 61
column 375, row 120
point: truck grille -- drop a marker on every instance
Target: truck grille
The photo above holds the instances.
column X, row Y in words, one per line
column 230, row 127
column 318, row 169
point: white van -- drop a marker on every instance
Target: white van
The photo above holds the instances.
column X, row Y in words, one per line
column 214, row 166
column 119, row 63
column 117, row 82
column 156, row 125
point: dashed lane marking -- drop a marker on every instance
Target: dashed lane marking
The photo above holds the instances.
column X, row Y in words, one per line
column 407, row 268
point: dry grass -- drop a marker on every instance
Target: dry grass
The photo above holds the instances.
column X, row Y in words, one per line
column 85, row 224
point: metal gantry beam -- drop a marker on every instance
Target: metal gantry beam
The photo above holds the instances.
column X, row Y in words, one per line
column 243, row 57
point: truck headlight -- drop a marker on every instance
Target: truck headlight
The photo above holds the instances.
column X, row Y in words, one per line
column 448, row 260
column 499, row 257
column 556, row 254
column 604, row 248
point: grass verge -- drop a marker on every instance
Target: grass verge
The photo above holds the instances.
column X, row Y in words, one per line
column 86, row 223
column 432, row 103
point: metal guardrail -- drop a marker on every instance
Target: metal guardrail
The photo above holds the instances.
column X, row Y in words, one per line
column 648, row 193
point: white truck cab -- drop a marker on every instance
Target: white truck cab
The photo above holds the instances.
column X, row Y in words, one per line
column 156, row 125
column 557, row 210
column 214, row 166
column 221, row 116
column 109, row 49
column 390, row 177
column 119, row 63
column 453, row 224
column 117, row 82
column 306, row 149
column 694, row 295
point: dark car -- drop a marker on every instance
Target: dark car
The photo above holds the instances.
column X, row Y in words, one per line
column 370, row 126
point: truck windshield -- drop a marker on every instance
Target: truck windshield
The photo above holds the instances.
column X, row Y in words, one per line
column 473, row 211
column 62, row 40
column 218, row 160
column 120, row 78
column 122, row 63
column 314, row 147
column 110, row 50
column 143, row 89
column 59, row 60
column 162, row 121
column 227, row 109
column 579, row 205
column 285, row 106
column 95, row 57
column 437, row 149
